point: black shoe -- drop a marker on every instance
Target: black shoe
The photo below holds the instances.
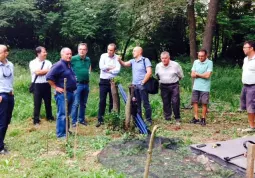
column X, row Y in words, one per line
column 83, row 123
column 195, row 121
column 99, row 123
column 50, row 119
column 203, row 123
column 4, row 152
column 149, row 123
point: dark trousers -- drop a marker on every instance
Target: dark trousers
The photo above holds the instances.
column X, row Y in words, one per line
column 142, row 96
column 104, row 89
column 6, row 108
column 171, row 100
column 42, row 91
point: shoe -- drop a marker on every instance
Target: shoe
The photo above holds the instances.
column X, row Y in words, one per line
column 178, row 123
column 4, row 152
column 73, row 125
column 203, row 122
column 99, row 123
column 167, row 119
column 194, row 121
column 70, row 133
column 83, row 123
column 248, row 130
column 148, row 123
column 36, row 125
column 50, row 119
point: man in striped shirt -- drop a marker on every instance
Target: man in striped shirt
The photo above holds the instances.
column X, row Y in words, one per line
column 40, row 67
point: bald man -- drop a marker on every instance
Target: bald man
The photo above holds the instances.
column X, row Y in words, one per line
column 6, row 95
column 55, row 77
column 141, row 73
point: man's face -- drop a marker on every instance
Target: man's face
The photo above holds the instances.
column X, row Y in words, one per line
column 202, row 56
column 135, row 52
column 3, row 54
column 43, row 54
column 247, row 49
column 110, row 50
column 165, row 59
column 67, row 55
column 82, row 50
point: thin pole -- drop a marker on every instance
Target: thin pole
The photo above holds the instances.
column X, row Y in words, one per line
column 149, row 153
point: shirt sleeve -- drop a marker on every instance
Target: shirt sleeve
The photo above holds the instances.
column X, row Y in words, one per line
column 32, row 69
column 102, row 64
column 180, row 71
column 53, row 73
column 50, row 65
column 156, row 70
column 147, row 62
column 116, row 70
column 210, row 67
column 194, row 66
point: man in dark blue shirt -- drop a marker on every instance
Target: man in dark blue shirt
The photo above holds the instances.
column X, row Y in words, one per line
column 55, row 77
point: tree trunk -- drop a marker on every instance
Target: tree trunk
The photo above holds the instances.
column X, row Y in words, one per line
column 192, row 30
column 210, row 25
column 125, row 48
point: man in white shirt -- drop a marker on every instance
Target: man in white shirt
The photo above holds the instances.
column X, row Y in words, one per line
column 248, row 80
column 40, row 67
column 109, row 68
column 169, row 73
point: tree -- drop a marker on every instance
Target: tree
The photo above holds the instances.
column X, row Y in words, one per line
column 192, row 30
column 210, row 26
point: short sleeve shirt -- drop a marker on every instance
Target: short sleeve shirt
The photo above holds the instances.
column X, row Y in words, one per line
column 202, row 84
column 139, row 69
column 248, row 76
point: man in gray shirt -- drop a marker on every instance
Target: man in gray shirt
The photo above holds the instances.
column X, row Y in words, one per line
column 169, row 73
column 6, row 95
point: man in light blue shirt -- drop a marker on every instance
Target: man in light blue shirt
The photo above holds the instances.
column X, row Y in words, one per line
column 201, row 73
column 6, row 95
column 141, row 73
column 109, row 68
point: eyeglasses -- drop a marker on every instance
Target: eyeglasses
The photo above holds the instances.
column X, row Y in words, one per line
column 6, row 71
column 246, row 47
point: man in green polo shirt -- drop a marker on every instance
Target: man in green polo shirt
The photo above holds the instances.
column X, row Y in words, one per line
column 81, row 66
column 201, row 73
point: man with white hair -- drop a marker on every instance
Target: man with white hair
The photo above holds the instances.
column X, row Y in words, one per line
column 6, row 95
column 55, row 77
column 141, row 73
column 169, row 73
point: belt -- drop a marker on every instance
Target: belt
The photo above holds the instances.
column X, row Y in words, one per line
column 83, row 82
column 249, row 85
column 108, row 80
column 169, row 84
column 6, row 93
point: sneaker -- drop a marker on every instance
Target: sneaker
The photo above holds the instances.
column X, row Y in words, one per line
column 83, row 123
column 99, row 124
column 203, row 122
column 73, row 125
column 178, row 123
column 195, row 121
column 248, row 130
column 4, row 152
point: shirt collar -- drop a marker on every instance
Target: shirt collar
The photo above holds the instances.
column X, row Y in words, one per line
column 7, row 63
column 139, row 59
column 39, row 59
column 253, row 58
column 169, row 64
column 65, row 62
column 204, row 61
column 113, row 57
column 81, row 58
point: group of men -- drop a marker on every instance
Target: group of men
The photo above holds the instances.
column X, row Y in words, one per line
column 76, row 69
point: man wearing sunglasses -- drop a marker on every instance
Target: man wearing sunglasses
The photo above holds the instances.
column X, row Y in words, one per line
column 6, row 95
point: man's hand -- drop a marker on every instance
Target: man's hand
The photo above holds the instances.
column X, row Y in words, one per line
column 60, row 90
column 119, row 58
column 1, row 98
column 193, row 74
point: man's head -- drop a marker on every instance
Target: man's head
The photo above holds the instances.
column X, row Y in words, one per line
column 202, row 55
column 249, row 47
column 41, row 52
column 66, row 54
column 137, row 52
column 3, row 52
column 82, row 49
column 165, row 58
column 111, row 48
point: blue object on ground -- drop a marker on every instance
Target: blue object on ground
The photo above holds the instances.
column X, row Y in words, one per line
column 138, row 119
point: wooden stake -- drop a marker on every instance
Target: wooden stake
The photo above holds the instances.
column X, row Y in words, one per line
column 250, row 161
column 75, row 140
column 149, row 155
column 66, row 109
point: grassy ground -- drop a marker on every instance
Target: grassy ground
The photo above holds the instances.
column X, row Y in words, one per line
column 35, row 152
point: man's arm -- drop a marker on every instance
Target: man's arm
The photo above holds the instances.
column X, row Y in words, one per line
column 205, row 75
column 125, row 64
column 116, row 69
column 180, row 72
column 53, row 85
column 147, row 75
column 41, row 72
